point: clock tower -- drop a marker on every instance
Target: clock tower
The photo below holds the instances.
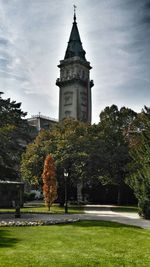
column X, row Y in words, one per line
column 74, row 82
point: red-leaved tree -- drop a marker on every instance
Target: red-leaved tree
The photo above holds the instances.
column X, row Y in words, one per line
column 49, row 181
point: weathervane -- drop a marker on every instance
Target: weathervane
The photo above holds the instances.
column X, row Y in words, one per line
column 74, row 12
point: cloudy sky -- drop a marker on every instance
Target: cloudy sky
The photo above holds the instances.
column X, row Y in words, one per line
column 115, row 35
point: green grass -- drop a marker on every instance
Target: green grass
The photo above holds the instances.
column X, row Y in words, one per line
column 125, row 209
column 41, row 208
column 86, row 243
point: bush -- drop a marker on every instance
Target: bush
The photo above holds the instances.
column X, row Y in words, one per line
column 29, row 196
column 144, row 209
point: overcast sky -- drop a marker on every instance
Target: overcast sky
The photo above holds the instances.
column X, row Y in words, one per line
column 115, row 35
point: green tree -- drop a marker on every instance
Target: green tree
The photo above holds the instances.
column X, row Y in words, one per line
column 14, row 134
column 66, row 143
column 49, row 181
column 33, row 158
column 98, row 152
column 139, row 168
column 115, row 126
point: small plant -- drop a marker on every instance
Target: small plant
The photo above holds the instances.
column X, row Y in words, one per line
column 49, row 181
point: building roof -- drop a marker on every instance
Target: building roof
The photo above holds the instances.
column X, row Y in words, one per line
column 41, row 122
column 11, row 182
column 74, row 47
column 42, row 117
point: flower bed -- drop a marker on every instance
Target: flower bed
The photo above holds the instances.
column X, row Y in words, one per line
column 36, row 223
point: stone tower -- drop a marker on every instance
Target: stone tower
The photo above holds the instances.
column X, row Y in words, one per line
column 74, row 82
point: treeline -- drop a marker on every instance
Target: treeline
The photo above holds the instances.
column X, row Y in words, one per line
column 116, row 151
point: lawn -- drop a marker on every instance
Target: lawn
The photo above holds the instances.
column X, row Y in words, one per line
column 41, row 208
column 86, row 243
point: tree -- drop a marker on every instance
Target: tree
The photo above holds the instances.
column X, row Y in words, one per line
column 15, row 133
column 49, row 181
column 139, row 168
column 115, row 125
column 33, row 159
column 66, row 143
column 98, row 152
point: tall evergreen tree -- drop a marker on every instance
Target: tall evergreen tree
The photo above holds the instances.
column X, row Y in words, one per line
column 14, row 135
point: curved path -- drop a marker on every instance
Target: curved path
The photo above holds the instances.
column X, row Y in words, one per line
column 92, row 212
column 103, row 212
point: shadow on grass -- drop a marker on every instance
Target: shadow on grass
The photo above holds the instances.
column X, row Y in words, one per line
column 89, row 223
column 6, row 240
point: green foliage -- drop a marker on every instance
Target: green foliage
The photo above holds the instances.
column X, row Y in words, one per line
column 14, row 134
column 63, row 142
column 94, row 153
column 70, row 143
column 139, row 176
column 114, row 127
column 28, row 196
column 86, row 152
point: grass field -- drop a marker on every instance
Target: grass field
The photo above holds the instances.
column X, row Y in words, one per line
column 86, row 243
column 41, row 208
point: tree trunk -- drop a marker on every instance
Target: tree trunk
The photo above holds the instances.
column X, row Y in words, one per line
column 119, row 197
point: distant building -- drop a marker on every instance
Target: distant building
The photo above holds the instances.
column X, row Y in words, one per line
column 74, row 82
column 41, row 122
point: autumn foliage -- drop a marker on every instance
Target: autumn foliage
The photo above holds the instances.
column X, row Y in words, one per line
column 49, row 181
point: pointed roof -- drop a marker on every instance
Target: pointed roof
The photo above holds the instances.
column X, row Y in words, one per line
column 74, row 47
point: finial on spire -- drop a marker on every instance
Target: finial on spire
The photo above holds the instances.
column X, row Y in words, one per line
column 74, row 12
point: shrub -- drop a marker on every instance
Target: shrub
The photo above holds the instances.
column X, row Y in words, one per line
column 29, row 196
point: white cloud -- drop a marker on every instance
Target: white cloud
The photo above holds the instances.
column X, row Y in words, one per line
column 34, row 36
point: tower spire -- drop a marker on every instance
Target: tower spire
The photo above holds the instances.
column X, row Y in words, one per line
column 74, row 12
column 74, row 47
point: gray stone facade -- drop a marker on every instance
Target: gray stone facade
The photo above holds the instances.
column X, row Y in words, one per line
column 41, row 122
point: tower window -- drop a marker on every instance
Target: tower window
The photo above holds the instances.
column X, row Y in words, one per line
column 68, row 97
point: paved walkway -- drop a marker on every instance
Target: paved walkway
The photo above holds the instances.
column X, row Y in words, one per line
column 96, row 212
column 99, row 212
